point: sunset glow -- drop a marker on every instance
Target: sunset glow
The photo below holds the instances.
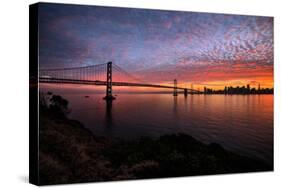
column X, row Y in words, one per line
column 213, row 50
column 127, row 93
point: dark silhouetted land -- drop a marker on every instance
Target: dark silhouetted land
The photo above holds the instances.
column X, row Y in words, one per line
column 70, row 153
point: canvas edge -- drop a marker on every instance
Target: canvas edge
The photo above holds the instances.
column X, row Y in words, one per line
column 33, row 96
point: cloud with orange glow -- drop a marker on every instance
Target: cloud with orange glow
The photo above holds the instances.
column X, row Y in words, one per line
column 159, row 46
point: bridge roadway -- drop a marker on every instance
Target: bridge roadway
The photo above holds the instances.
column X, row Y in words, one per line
column 104, row 83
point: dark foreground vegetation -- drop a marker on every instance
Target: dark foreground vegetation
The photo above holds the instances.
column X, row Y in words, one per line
column 70, row 153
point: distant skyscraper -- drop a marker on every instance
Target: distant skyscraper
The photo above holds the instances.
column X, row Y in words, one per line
column 248, row 88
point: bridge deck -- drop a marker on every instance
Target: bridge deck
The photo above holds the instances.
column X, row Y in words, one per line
column 104, row 83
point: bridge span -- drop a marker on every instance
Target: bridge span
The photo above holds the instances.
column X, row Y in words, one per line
column 91, row 75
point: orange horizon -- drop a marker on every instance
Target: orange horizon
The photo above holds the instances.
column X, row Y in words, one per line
column 215, row 85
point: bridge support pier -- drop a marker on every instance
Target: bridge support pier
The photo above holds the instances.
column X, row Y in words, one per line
column 175, row 88
column 109, row 95
column 185, row 92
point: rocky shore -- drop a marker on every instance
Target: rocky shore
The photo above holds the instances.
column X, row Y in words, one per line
column 70, row 153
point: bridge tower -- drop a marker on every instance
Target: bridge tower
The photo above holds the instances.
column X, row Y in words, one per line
column 109, row 95
column 175, row 88
column 185, row 92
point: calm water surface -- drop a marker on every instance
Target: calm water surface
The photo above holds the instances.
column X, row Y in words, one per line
column 240, row 123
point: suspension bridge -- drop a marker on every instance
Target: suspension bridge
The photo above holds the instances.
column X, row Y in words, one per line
column 102, row 75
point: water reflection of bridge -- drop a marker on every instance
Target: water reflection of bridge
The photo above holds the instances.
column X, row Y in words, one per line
column 102, row 74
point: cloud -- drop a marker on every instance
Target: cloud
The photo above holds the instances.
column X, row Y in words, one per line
column 158, row 45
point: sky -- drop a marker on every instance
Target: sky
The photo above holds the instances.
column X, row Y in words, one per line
column 158, row 46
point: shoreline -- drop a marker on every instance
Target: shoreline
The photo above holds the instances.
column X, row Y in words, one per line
column 69, row 152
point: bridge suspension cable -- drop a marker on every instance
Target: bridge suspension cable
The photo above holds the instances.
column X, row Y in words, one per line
column 93, row 72
column 98, row 75
column 121, row 72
